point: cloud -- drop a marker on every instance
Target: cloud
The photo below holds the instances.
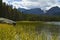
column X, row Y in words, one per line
column 28, row 4
column 17, row 0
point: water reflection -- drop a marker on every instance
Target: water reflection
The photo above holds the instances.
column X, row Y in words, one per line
column 55, row 23
column 51, row 32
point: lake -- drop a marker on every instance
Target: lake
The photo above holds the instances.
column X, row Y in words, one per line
column 49, row 31
column 55, row 23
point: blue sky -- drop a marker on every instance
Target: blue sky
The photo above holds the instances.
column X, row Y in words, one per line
column 28, row 4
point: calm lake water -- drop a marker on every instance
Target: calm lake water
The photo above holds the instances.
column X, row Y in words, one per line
column 55, row 23
column 50, row 32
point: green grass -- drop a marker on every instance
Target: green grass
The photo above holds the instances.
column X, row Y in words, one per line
column 27, row 30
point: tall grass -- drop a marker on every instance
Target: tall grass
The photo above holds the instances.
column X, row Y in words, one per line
column 29, row 31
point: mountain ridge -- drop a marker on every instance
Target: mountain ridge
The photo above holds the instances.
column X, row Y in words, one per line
column 31, row 11
column 52, row 11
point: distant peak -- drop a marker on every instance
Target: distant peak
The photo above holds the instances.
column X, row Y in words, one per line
column 37, row 8
column 55, row 7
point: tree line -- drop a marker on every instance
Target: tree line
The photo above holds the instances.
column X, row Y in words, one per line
column 14, row 14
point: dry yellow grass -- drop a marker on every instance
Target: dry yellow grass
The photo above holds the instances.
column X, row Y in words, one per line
column 22, row 31
column 5, row 25
column 7, row 32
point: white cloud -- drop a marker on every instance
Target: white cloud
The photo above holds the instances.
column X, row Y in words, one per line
column 27, row 4
column 19, row 4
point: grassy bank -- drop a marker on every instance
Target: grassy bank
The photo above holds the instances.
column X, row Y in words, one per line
column 28, row 30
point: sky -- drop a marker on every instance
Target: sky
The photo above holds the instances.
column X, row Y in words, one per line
column 29, row 4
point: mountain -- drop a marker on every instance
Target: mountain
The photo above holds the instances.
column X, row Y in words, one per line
column 31, row 11
column 21, row 9
column 53, row 11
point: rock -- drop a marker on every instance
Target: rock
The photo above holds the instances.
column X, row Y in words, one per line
column 8, row 21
